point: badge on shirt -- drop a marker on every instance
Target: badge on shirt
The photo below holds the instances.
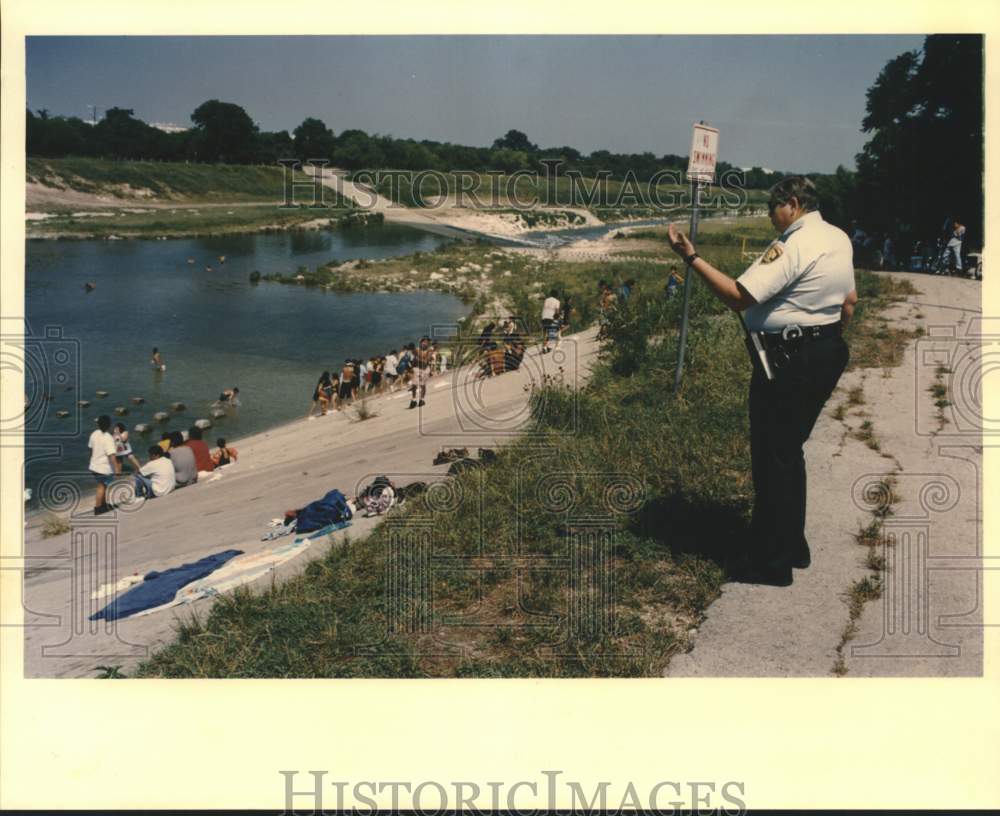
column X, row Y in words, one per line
column 773, row 253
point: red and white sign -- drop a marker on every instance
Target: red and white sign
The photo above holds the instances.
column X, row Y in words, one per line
column 704, row 153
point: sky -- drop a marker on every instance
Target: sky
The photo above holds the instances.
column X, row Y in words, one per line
column 791, row 103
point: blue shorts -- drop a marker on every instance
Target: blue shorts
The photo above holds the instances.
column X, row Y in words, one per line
column 551, row 329
column 103, row 478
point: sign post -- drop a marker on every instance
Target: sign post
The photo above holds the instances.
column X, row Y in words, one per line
column 701, row 170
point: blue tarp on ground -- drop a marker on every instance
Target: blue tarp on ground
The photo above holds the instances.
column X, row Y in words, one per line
column 159, row 588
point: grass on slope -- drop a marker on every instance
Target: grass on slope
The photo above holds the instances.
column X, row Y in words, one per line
column 171, row 181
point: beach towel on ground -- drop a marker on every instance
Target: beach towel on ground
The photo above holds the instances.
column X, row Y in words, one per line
column 159, row 588
column 241, row 570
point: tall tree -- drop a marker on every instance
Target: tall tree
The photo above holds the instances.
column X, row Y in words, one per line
column 120, row 135
column 313, row 140
column 924, row 160
column 514, row 140
column 225, row 133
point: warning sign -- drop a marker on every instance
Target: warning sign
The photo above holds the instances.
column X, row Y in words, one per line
column 704, row 153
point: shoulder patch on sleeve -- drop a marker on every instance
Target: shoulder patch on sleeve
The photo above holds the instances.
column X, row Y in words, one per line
column 774, row 252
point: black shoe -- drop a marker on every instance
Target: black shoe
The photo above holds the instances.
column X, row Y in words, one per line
column 801, row 561
column 413, row 404
column 801, row 558
column 421, row 404
column 766, row 576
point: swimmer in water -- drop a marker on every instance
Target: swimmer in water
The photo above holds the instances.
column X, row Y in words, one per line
column 157, row 361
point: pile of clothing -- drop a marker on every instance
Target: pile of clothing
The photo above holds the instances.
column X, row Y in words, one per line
column 460, row 459
column 451, row 455
column 318, row 518
column 382, row 494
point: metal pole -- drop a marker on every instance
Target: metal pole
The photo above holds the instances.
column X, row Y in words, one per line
column 689, row 274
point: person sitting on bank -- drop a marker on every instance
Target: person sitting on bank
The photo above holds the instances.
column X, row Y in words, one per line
column 225, row 455
column 202, row 455
column 182, row 458
column 156, row 477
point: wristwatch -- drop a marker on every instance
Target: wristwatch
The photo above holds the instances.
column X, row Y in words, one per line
column 690, row 258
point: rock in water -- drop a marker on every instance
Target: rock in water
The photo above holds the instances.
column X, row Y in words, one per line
column 218, row 413
column 203, row 423
column 101, row 393
column 62, row 414
column 83, row 403
column 177, row 406
column 121, row 410
column 138, row 400
column 143, row 428
column 161, row 416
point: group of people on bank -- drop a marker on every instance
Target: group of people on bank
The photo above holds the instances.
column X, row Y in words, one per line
column 943, row 254
column 176, row 461
column 409, row 367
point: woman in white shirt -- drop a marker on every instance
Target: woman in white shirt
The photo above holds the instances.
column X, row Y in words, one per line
column 103, row 461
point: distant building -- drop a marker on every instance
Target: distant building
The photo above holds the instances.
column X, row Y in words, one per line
column 767, row 170
column 167, row 127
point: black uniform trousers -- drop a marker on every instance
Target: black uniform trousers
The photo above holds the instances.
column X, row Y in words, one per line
column 782, row 415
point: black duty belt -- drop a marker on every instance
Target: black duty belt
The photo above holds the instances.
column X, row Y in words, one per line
column 793, row 335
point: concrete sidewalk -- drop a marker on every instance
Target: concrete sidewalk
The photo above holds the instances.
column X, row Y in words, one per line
column 280, row 469
column 928, row 621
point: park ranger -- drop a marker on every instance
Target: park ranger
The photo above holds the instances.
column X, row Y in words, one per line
column 794, row 301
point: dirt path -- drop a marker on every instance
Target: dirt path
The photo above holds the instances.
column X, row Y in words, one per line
column 446, row 219
column 928, row 620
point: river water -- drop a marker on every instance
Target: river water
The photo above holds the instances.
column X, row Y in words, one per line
column 214, row 330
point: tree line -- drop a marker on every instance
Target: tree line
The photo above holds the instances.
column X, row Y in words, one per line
column 225, row 132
